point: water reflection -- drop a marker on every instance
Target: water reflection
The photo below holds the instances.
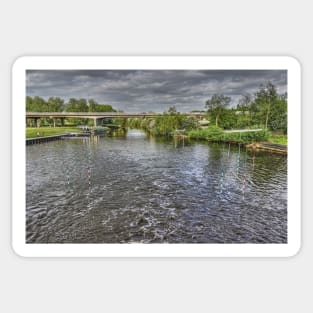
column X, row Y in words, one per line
column 138, row 188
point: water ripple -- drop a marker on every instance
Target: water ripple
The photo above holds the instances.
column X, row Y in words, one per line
column 138, row 189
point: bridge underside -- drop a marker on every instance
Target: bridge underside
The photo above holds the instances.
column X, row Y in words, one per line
column 33, row 118
column 56, row 121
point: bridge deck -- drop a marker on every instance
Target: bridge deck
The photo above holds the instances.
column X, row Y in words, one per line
column 99, row 114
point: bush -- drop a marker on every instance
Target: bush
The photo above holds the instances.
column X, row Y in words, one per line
column 261, row 135
column 214, row 133
column 211, row 133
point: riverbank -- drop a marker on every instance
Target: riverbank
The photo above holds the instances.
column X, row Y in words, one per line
column 268, row 146
column 217, row 134
column 35, row 132
column 246, row 136
column 279, row 139
column 257, row 139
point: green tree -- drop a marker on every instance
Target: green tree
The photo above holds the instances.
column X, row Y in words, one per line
column 76, row 105
column 29, row 104
column 172, row 110
column 36, row 104
column 243, row 111
column 265, row 99
column 172, row 120
column 269, row 109
column 278, row 117
column 55, row 104
column 216, row 105
column 95, row 107
column 92, row 105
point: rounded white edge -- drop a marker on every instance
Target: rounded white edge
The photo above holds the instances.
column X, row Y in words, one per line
column 17, row 251
column 294, row 62
column 20, row 63
column 21, row 249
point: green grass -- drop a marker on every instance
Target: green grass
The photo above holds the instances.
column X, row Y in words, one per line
column 33, row 132
column 282, row 139
column 216, row 134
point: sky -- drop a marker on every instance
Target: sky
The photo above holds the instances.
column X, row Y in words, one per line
column 151, row 90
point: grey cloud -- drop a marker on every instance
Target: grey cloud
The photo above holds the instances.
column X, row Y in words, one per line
column 151, row 90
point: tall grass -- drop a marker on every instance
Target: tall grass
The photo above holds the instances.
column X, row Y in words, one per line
column 33, row 132
column 214, row 133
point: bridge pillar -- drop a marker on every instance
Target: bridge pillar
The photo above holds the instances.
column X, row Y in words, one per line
column 54, row 122
column 62, row 121
column 95, row 121
column 37, row 122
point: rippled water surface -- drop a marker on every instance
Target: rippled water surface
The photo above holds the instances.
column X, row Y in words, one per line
column 141, row 189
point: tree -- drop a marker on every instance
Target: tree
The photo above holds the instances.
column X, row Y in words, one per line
column 76, row 105
column 243, row 111
column 171, row 121
column 36, row 104
column 95, row 107
column 244, row 103
column 172, row 110
column 265, row 99
column 55, row 104
column 216, row 105
column 278, row 117
column 92, row 105
column 29, row 104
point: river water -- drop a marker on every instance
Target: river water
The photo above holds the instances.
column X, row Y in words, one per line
column 142, row 189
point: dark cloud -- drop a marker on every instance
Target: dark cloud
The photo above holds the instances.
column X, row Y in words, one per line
column 151, row 90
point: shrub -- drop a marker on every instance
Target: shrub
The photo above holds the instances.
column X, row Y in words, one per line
column 211, row 133
column 261, row 135
column 214, row 133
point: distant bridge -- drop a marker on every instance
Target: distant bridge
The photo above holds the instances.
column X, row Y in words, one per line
column 98, row 115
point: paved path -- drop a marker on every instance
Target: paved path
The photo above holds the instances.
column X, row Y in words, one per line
column 242, row 130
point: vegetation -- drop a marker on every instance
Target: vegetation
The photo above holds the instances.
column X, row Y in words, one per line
column 217, row 134
column 166, row 124
column 266, row 109
column 56, row 104
column 171, row 121
column 38, row 104
column 217, row 105
column 282, row 139
column 33, row 132
column 212, row 133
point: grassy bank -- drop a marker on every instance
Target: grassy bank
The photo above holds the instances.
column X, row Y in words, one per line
column 216, row 134
column 281, row 139
column 33, row 132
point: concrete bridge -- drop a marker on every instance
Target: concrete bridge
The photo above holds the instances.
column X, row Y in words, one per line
column 96, row 115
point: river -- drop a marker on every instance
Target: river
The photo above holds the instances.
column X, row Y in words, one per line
column 140, row 189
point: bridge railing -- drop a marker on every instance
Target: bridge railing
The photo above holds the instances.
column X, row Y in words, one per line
column 100, row 114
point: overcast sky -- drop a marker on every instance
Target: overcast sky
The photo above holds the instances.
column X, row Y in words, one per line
column 150, row 90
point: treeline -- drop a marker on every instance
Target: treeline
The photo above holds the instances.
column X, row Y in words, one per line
column 265, row 109
column 166, row 124
column 56, row 104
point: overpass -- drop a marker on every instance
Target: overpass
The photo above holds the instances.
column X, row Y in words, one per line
column 97, row 115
